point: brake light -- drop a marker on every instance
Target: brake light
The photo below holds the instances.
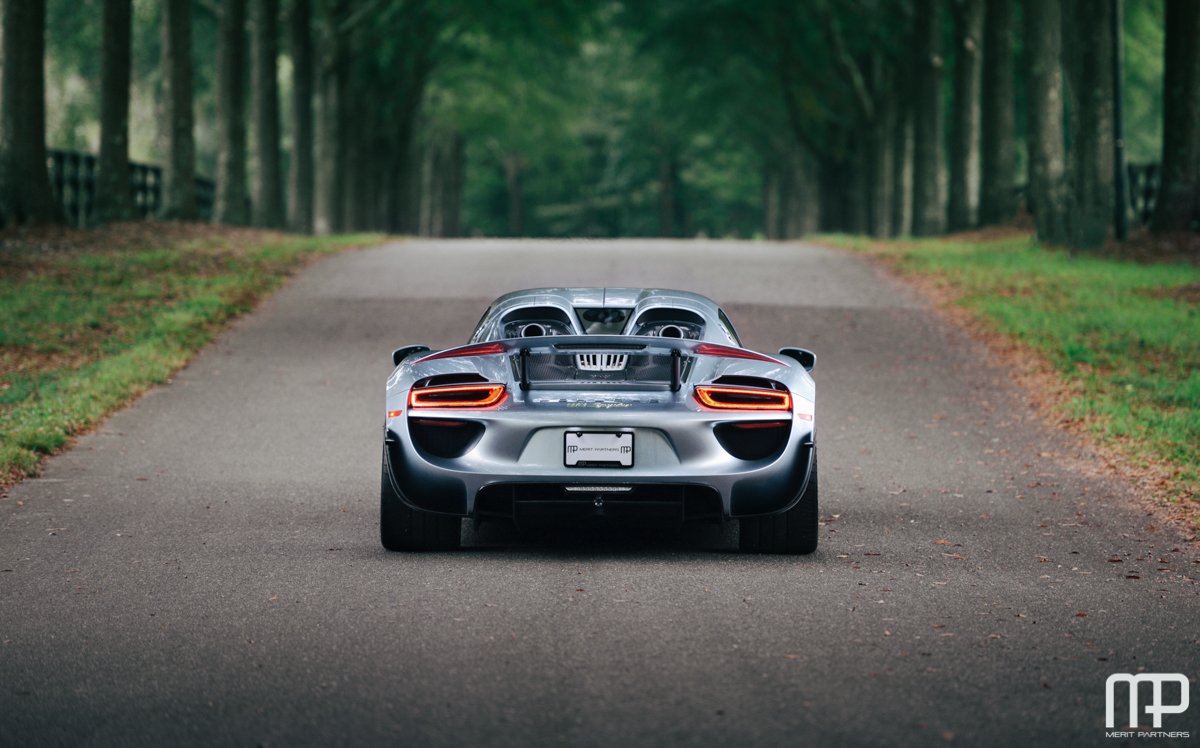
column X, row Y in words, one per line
column 474, row 396
column 742, row 398
column 725, row 351
column 481, row 349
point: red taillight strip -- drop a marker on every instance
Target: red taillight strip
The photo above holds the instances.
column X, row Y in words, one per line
column 481, row 349
column 725, row 351
column 458, row 396
column 735, row 398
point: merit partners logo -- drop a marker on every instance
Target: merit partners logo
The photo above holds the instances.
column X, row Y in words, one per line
column 1162, row 701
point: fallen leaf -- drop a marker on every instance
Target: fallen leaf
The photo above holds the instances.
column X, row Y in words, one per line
column 1081, row 614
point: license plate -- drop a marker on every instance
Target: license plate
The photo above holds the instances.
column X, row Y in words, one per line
column 598, row 449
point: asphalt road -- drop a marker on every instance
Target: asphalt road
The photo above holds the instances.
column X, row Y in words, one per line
column 205, row 569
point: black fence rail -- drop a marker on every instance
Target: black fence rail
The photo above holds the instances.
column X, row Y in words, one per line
column 73, row 178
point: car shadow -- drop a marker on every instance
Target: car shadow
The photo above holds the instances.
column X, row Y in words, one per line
column 600, row 538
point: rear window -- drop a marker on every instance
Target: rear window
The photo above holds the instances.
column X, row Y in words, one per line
column 603, row 321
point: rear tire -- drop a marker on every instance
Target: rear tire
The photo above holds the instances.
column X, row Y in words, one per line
column 794, row 531
column 402, row 528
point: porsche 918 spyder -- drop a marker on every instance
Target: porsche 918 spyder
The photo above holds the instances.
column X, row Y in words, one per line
column 600, row 402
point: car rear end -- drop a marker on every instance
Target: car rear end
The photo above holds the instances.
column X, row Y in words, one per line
column 614, row 426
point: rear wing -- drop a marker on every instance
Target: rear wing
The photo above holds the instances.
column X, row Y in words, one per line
column 606, row 360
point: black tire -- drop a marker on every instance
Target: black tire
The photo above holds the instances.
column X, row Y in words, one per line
column 794, row 531
column 402, row 528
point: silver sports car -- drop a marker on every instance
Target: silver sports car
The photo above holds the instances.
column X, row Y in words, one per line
column 609, row 402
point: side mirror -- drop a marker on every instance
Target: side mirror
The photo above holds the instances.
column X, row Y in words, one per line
column 807, row 358
column 400, row 354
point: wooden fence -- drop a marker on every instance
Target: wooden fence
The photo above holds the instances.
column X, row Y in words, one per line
column 73, row 178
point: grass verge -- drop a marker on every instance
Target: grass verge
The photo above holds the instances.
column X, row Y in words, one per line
column 90, row 319
column 1121, row 338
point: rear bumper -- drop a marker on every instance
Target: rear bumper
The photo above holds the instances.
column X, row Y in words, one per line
column 728, row 488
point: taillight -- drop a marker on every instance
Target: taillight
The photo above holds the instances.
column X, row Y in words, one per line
column 473, row 396
column 482, row 349
column 725, row 351
column 742, row 398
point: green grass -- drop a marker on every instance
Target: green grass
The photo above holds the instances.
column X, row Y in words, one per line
column 1122, row 334
column 86, row 326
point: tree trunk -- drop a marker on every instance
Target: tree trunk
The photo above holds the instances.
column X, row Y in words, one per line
column 455, row 179
column 25, row 194
column 1087, row 29
column 998, row 194
column 1178, row 204
column 326, row 188
column 881, row 157
column 902, row 172
column 231, row 120
column 512, row 181
column 802, row 211
column 268, row 186
column 1047, row 191
column 179, row 170
column 770, row 199
column 929, row 215
column 964, row 142
column 666, row 192
column 300, row 192
column 114, row 200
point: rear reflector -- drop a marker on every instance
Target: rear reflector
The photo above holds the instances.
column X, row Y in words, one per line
column 742, row 398
column 725, row 351
column 471, row 396
column 394, row 413
column 482, row 349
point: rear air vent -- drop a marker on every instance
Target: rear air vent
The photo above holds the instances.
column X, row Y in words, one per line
column 443, row 437
column 445, row 379
column 739, row 381
column 754, row 440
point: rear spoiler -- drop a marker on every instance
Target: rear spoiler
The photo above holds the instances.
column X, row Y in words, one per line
column 676, row 348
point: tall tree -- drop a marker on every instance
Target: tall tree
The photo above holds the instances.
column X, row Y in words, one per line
column 331, row 118
column 179, row 170
column 231, row 116
column 268, row 186
column 902, row 173
column 929, row 216
column 998, row 194
column 1179, row 196
column 1088, row 47
column 965, row 113
column 114, row 200
column 25, row 194
column 300, row 192
column 1044, row 124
